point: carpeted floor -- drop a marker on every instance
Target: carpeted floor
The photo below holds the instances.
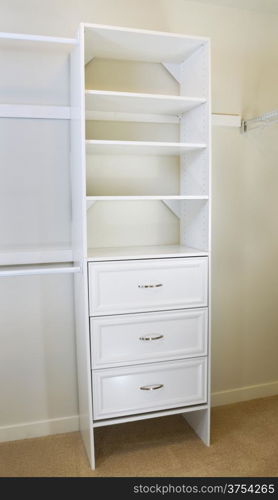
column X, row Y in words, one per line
column 244, row 443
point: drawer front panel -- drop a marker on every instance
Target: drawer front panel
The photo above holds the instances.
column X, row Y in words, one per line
column 141, row 338
column 147, row 285
column 138, row 389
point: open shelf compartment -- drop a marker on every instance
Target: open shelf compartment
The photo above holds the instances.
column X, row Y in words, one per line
column 150, row 228
column 140, row 45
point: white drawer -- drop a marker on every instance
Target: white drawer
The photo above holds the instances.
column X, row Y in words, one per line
column 147, row 285
column 141, row 338
column 145, row 388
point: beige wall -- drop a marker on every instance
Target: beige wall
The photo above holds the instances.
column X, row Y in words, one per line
column 245, row 171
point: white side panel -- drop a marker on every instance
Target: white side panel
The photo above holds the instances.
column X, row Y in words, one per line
column 136, row 286
column 131, row 390
column 194, row 73
column 196, row 174
column 194, row 125
column 200, row 423
column 120, row 340
column 79, row 248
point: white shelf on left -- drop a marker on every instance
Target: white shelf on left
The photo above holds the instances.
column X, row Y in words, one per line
column 35, row 255
column 31, row 270
column 35, row 111
column 21, row 41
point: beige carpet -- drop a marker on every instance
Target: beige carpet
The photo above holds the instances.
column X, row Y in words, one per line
column 244, row 443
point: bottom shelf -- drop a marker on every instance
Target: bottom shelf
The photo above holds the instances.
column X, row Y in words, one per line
column 154, row 414
column 143, row 252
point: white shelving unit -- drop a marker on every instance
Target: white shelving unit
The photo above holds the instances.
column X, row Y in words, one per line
column 113, row 186
column 144, row 222
column 35, row 117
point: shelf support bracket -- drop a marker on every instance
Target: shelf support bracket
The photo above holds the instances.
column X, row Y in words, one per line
column 174, row 206
column 90, row 204
column 174, row 70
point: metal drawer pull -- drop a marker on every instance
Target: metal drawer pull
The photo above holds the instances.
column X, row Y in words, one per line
column 150, row 286
column 151, row 387
column 152, row 337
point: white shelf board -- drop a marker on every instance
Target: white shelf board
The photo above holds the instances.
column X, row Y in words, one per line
column 140, row 147
column 144, row 252
column 130, row 102
column 155, row 197
column 20, row 41
column 226, row 120
column 29, row 270
column 115, row 42
column 32, row 255
column 34, row 111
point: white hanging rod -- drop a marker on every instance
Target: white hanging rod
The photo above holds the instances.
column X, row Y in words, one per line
column 40, row 270
column 264, row 119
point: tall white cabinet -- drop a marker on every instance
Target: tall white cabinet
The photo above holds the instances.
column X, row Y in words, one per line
column 142, row 195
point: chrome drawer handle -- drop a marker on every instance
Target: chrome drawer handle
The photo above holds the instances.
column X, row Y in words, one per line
column 152, row 337
column 151, row 387
column 150, row 286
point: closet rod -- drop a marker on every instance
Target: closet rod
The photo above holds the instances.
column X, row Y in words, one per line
column 24, row 271
column 269, row 117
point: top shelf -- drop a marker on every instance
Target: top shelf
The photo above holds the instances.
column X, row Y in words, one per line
column 18, row 41
column 114, row 42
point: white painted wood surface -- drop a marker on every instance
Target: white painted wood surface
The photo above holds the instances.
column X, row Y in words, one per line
column 133, row 389
column 140, row 147
column 29, row 111
column 131, row 253
column 114, row 42
column 29, row 270
column 149, row 285
column 132, row 102
column 20, row 41
column 145, row 416
column 226, row 120
column 32, row 255
column 79, row 242
column 134, row 198
column 132, row 339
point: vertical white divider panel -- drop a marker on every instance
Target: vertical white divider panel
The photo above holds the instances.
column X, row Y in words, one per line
column 79, row 238
column 195, row 222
